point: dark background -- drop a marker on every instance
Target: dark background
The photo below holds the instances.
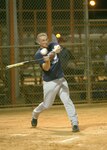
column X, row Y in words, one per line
column 94, row 12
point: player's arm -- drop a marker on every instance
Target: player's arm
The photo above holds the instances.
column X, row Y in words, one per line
column 47, row 60
column 46, row 64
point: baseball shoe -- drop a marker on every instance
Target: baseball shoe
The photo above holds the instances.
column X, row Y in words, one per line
column 34, row 122
column 75, row 128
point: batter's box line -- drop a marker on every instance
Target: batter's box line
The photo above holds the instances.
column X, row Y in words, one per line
column 68, row 140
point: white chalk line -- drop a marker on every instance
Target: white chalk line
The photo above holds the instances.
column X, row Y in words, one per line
column 69, row 140
column 19, row 134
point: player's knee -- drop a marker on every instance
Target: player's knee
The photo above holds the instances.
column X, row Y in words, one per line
column 68, row 102
column 46, row 106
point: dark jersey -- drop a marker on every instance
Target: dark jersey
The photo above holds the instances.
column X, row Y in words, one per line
column 55, row 71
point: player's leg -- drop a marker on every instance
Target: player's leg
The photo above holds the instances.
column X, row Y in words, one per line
column 50, row 89
column 69, row 106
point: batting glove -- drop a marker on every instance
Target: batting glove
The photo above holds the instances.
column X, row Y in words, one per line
column 57, row 49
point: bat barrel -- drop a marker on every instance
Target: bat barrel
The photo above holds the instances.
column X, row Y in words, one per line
column 15, row 65
column 21, row 64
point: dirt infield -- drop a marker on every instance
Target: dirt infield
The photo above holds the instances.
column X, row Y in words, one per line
column 54, row 129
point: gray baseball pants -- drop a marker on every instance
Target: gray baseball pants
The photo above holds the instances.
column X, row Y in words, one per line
column 51, row 89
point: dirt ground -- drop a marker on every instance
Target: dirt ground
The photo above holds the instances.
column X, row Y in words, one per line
column 54, row 129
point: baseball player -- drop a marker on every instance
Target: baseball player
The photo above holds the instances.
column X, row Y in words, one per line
column 53, row 81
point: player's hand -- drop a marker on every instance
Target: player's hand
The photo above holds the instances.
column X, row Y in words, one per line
column 51, row 55
column 46, row 58
column 57, row 49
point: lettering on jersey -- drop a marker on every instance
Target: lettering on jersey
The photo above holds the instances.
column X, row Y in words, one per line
column 55, row 60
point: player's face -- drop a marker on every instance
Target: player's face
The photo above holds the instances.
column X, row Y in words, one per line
column 43, row 41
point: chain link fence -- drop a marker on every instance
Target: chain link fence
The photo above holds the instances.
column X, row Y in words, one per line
column 80, row 30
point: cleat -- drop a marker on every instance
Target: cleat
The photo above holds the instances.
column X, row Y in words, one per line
column 34, row 122
column 75, row 128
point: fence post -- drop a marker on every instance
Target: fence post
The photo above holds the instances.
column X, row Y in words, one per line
column 49, row 18
column 72, row 20
column 87, row 47
column 12, row 54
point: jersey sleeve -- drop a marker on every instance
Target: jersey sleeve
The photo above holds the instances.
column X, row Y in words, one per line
column 39, row 58
column 51, row 45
